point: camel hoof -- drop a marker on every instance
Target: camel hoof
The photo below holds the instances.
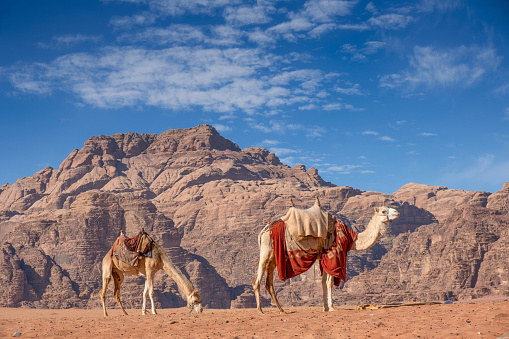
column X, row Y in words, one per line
column 282, row 312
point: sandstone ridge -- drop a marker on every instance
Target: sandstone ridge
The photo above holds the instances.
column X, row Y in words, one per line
column 204, row 200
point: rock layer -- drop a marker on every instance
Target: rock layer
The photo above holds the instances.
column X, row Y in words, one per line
column 205, row 201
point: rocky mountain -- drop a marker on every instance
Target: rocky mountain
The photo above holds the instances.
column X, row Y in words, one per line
column 205, row 200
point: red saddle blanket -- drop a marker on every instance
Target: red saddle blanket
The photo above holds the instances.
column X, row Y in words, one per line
column 295, row 257
column 129, row 250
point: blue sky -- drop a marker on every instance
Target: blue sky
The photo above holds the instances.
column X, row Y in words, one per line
column 372, row 94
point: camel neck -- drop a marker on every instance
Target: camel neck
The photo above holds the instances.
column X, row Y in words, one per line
column 184, row 285
column 366, row 240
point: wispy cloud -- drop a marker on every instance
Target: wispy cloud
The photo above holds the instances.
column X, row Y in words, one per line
column 386, row 138
column 281, row 151
column 483, row 170
column 426, row 134
column 269, row 142
column 221, row 80
column 353, row 90
column 68, row 41
column 370, row 133
column 342, row 169
column 248, row 15
column 506, row 114
column 439, row 5
column 433, row 67
column 222, row 128
column 391, row 21
column 360, row 54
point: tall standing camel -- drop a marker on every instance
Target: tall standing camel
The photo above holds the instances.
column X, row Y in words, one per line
column 376, row 228
column 147, row 267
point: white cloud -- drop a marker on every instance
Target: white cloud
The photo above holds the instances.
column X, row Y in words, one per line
column 279, row 151
column 327, row 10
column 221, row 80
column 248, row 15
column 506, row 114
column 386, row 138
column 433, row 67
column 180, row 7
column 370, row 133
column 370, row 7
column 390, row 21
column 439, row 5
column 426, row 134
column 332, row 107
column 269, row 142
column 343, row 169
column 174, row 34
column 126, row 22
column 222, row 128
column 69, row 40
column 360, row 54
column 354, row 90
column 484, row 171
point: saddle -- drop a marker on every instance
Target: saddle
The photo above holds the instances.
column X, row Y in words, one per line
column 314, row 222
column 129, row 250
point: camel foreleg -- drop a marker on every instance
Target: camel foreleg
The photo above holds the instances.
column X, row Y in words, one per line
column 327, row 282
column 149, row 289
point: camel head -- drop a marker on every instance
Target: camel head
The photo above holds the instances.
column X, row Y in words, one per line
column 386, row 215
column 194, row 301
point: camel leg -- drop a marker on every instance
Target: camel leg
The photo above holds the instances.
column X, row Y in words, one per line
column 327, row 282
column 265, row 255
column 256, row 284
column 149, row 288
column 269, row 284
column 118, row 278
column 144, row 305
column 106, row 281
column 330, row 283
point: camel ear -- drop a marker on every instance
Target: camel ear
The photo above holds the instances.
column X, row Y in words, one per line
column 377, row 209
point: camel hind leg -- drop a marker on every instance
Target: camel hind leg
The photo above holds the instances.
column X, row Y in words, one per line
column 106, row 277
column 118, row 278
column 266, row 261
column 269, row 284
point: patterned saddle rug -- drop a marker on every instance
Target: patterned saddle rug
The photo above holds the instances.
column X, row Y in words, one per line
column 294, row 256
column 129, row 250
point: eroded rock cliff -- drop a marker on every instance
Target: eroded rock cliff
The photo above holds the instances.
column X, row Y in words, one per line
column 205, row 201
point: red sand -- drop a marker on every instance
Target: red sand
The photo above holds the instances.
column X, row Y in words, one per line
column 487, row 319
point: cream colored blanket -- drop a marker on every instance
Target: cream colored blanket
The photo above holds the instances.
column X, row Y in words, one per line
column 311, row 222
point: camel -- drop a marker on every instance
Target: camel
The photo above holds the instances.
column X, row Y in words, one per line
column 376, row 228
column 146, row 267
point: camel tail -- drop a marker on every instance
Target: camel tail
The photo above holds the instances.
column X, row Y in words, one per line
column 184, row 285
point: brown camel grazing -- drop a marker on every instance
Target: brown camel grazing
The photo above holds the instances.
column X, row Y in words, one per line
column 146, row 267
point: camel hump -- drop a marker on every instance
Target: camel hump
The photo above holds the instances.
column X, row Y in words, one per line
column 310, row 222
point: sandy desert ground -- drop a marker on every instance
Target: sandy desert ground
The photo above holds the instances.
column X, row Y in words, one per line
column 475, row 319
